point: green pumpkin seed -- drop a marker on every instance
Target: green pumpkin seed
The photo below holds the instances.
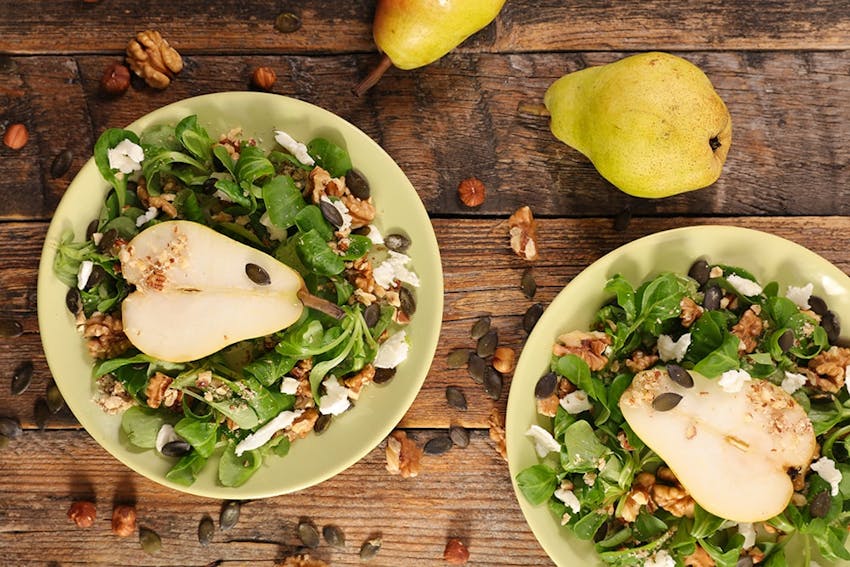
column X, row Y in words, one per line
column 532, row 315
column 480, row 328
column 818, row 305
column 666, row 401
column 372, row 314
column 407, row 301
column 10, row 427
column 4, row 442
column 786, row 340
column 287, row 22
column 477, row 367
column 830, row 323
column 383, row 375
column 438, row 445
column 334, row 536
column 229, row 514
column 458, row 358
column 397, row 242
column 55, row 401
column 206, row 530
column 308, row 534
column 357, row 184
column 257, row 274
column 493, row 383
column 322, row 423
column 22, row 378
column 700, row 272
column 331, row 213
column 545, row 387
column 41, row 413
column 61, row 163
column 73, row 301
column 820, row 505
column 455, row 397
column 10, row 329
column 488, row 343
column 176, row 448
column 623, row 218
column 370, row 549
column 149, row 540
column 459, row 436
column 528, row 285
column 680, row 376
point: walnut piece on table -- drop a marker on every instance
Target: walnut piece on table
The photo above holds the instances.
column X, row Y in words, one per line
column 151, row 57
column 403, row 455
column 303, row 561
column 523, row 233
column 497, row 432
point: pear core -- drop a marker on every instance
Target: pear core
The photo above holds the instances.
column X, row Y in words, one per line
column 198, row 291
column 730, row 451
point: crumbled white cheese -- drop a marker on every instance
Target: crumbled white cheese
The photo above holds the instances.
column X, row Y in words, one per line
column 569, row 499
column 544, row 443
column 126, row 157
column 793, row 381
column 222, row 196
column 275, row 232
column 800, row 295
column 84, row 274
column 825, row 468
column 375, row 235
column 96, row 237
column 575, row 402
column 589, row 478
column 393, row 268
column 732, row 381
column 743, row 286
column 392, row 351
column 295, row 147
column 165, row 435
column 343, row 212
column 262, row 436
column 749, row 533
column 335, row 401
column 660, row 559
column 288, row 385
column 148, row 215
column 668, row 349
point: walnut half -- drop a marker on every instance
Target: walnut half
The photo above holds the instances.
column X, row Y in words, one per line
column 523, row 232
column 151, row 57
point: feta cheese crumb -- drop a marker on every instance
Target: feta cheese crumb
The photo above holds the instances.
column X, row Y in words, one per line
column 732, row 381
column 288, row 385
column 343, row 212
column 296, row 148
column 544, row 443
column 668, row 349
column 743, row 286
column 126, row 157
column 148, row 215
column 660, row 559
column 393, row 268
column 800, row 295
column 165, row 435
column 335, row 401
column 375, row 235
column 825, row 468
column 569, row 499
column 275, row 232
column 262, row 436
column 749, row 533
column 575, row 402
column 793, row 381
column 392, row 351
column 84, row 274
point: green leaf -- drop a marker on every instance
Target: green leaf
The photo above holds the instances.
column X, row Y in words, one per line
column 576, row 370
column 722, row 359
column 142, row 425
column 537, row 483
column 329, row 156
column 316, row 255
column 311, row 218
column 283, row 201
column 582, row 451
column 234, row 192
column 358, row 246
column 722, row 558
column 705, row 523
column 186, row 470
column 195, row 139
column 235, row 470
column 648, row 527
column 223, row 156
column 625, row 295
column 108, row 140
column 112, row 364
column 202, row 435
column 588, row 525
column 252, row 165
column 270, row 367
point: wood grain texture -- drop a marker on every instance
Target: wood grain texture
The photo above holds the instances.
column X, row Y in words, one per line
column 462, row 117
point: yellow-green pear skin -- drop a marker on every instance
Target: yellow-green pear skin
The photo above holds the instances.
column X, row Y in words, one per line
column 198, row 291
column 652, row 124
column 414, row 33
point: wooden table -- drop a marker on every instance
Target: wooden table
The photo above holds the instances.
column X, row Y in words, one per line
column 783, row 69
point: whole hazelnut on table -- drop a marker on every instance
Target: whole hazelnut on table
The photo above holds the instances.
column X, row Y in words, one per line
column 115, row 79
column 82, row 513
column 16, row 136
column 264, row 78
column 456, row 552
column 471, row 192
column 123, row 520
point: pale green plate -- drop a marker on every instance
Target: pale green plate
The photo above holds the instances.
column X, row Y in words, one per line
column 350, row 436
column 768, row 257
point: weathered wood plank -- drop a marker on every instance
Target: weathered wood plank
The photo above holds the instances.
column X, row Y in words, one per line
column 461, row 117
column 71, row 26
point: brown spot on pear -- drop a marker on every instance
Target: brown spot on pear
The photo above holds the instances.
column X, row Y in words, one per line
column 731, row 451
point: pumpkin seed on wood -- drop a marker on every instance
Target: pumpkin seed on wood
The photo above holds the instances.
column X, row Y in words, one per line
column 9, row 329
column 493, row 383
column 10, row 427
column 545, row 387
column 820, row 505
column 334, row 536
column 372, row 314
column 149, row 540
column 22, row 378
column 397, row 242
column 481, row 327
column 357, row 184
column 528, row 284
column 4, row 442
column 666, row 401
column 308, row 534
column 206, row 530
column 176, row 448
column 322, row 423
column 623, row 218
column 370, row 549
column 383, row 375
column 73, row 300
column 830, row 323
column 532, row 315
column 477, row 367
column 680, row 376
column 700, row 271
column 458, row 358
column 407, row 301
column 438, row 445
column 41, row 413
column 455, row 397
column 331, row 213
column 61, row 163
column 55, row 401
column 257, row 274
column 459, row 436
column 229, row 514
column 488, row 343
column 287, row 22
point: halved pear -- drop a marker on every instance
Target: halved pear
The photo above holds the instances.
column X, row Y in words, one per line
column 198, row 291
column 731, row 451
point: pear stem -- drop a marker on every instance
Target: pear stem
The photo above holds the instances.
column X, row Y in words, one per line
column 373, row 77
column 319, row 304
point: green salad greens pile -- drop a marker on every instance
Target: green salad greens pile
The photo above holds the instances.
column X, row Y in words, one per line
column 591, row 470
column 195, row 411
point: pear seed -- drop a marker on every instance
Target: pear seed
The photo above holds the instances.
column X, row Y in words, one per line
column 334, row 536
column 22, row 378
column 206, row 530
column 481, row 327
column 308, row 534
column 438, row 445
column 257, row 274
column 229, row 515
column 680, row 376
column 456, row 398
column 666, row 401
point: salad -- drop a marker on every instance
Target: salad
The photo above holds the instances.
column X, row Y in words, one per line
column 739, row 391
column 303, row 205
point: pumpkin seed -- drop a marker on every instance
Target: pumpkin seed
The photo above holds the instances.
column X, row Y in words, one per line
column 481, row 327
column 459, row 436
column 9, row 328
column 407, row 301
column 438, row 445
column 700, row 271
column 680, row 376
column 488, row 343
column 97, row 276
column 107, row 240
column 372, row 314
column 623, row 218
column 370, row 549
column 477, row 366
column 22, row 378
column 532, row 315
column 397, row 242
column 745, row 561
column 61, row 163
column 4, row 442
column 357, row 184
column 818, row 305
column 10, row 427
column 711, row 300
column 149, row 540
column 786, row 340
column 528, row 285
column 176, row 448
column 287, row 22
column 458, row 358
column 830, row 323
column 229, row 514
column 331, row 213
column 322, row 423
column 383, row 375
column 92, row 228
column 308, row 534
column 257, row 274
column 820, row 505
column 55, row 401
column 493, row 383
column 74, row 301
column 455, row 397
column 545, row 386
column 206, row 530
column 334, row 536
column 666, row 401
column 41, row 412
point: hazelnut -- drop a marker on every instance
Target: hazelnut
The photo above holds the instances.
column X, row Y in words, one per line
column 82, row 513
column 456, row 552
column 264, row 78
column 503, row 360
column 16, row 136
column 471, row 192
column 123, row 520
column 115, row 79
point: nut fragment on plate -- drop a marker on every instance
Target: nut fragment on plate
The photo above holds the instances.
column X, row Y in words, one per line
column 403, row 455
column 523, row 233
column 497, row 432
column 153, row 59
column 16, row 136
column 470, row 191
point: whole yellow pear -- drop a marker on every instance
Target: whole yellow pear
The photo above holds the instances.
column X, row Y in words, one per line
column 652, row 124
